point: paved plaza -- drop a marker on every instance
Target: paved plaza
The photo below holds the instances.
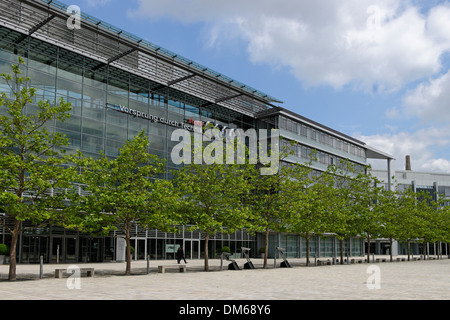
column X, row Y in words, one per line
column 406, row 280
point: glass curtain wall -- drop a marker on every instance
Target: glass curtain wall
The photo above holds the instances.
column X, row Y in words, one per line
column 93, row 128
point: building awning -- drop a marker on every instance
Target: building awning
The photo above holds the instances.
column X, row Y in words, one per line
column 109, row 45
column 372, row 153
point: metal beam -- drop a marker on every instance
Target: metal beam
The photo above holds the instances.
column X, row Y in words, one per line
column 120, row 55
column 40, row 25
column 112, row 59
column 207, row 104
column 170, row 83
column 34, row 29
column 151, row 52
column 228, row 98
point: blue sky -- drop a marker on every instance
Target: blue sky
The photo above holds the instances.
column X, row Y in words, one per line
column 377, row 70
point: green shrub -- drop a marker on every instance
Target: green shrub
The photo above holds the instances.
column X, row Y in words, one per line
column 226, row 249
column 4, row 250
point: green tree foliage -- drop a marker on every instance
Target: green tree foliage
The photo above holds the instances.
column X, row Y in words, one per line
column 410, row 216
column 124, row 192
column 390, row 219
column 364, row 195
column 269, row 201
column 32, row 171
column 341, row 217
column 212, row 197
column 307, row 195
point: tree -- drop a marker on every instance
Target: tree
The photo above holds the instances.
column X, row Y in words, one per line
column 269, row 200
column 32, row 171
column 307, row 206
column 391, row 223
column 364, row 196
column 445, row 223
column 341, row 214
column 269, row 203
column 410, row 217
column 429, row 223
column 212, row 196
column 123, row 192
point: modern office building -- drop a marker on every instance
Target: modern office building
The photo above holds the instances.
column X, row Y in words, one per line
column 434, row 183
column 119, row 84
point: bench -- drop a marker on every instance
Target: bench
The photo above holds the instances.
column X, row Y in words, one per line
column 162, row 269
column 89, row 272
column 381, row 260
column 401, row 259
column 356, row 261
column 323, row 263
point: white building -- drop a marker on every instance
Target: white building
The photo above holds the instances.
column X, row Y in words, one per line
column 438, row 184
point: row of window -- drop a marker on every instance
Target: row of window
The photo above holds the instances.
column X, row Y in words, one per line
column 321, row 137
column 308, row 153
column 55, row 76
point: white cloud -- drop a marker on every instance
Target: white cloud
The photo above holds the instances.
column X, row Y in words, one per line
column 430, row 100
column 381, row 46
column 419, row 145
column 330, row 42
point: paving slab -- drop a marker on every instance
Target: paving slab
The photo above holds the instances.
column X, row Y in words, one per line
column 408, row 280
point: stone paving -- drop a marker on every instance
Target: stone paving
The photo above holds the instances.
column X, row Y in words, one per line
column 424, row 280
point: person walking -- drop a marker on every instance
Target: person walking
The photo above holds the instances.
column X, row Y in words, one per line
column 180, row 255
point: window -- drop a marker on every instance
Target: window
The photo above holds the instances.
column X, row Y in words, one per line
column 345, row 146
column 283, row 123
column 304, row 131
column 289, row 125
column 313, row 134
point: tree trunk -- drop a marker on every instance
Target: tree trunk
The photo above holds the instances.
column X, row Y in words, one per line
column 368, row 247
column 13, row 257
column 438, row 250
column 341, row 242
column 307, row 250
column 424, row 250
column 390, row 248
column 206, row 252
column 128, row 258
column 409, row 248
column 266, row 252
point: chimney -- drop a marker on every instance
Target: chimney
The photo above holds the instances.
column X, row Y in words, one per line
column 408, row 163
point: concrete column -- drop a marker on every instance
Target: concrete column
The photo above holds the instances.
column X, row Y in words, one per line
column 389, row 174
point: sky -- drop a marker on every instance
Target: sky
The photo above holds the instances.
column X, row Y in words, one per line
column 376, row 70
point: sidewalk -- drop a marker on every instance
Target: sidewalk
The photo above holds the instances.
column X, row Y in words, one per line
column 398, row 280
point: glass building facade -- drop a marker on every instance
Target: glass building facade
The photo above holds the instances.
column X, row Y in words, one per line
column 118, row 85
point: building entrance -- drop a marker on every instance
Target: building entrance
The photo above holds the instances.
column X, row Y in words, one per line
column 33, row 248
column 63, row 249
column 191, row 248
column 91, row 249
column 140, row 248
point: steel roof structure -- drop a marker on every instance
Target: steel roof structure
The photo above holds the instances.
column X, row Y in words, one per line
column 110, row 46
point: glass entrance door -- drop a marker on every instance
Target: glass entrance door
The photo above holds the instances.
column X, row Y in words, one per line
column 191, row 249
column 57, row 247
column 90, row 249
column 33, row 248
column 140, row 248
column 64, row 250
